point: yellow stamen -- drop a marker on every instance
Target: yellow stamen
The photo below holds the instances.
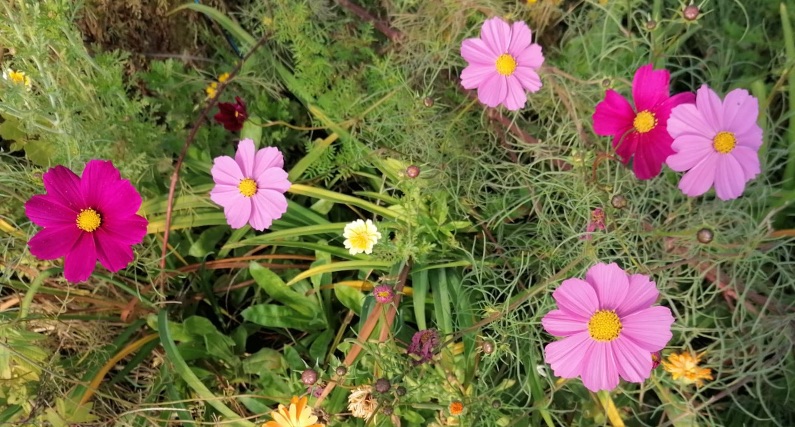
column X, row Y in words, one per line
column 247, row 187
column 644, row 121
column 506, row 64
column 604, row 325
column 88, row 220
column 724, row 142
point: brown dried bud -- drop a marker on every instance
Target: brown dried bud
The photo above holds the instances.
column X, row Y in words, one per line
column 487, row 347
column 341, row 370
column 309, row 377
column 651, row 24
column 412, row 171
column 691, row 12
column 428, row 102
column 705, row 235
column 382, row 385
column 618, row 201
column 607, row 82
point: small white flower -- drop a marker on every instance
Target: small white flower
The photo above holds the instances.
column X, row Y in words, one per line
column 360, row 236
column 16, row 77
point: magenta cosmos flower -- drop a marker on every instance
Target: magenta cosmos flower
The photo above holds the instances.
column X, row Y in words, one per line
column 609, row 326
column 251, row 186
column 640, row 131
column 716, row 142
column 502, row 64
column 85, row 219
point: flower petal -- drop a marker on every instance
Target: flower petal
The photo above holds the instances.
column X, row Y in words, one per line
column 238, row 212
column 651, row 153
column 577, row 297
column 650, row 328
column 81, row 260
column 521, row 37
column 711, row 108
column 566, row 356
column 129, row 230
column 274, row 200
column 634, row 363
column 649, row 87
column 493, row 91
column 54, row 242
column 700, row 178
column 476, row 52
column 99, row 179
column 476, row 75
column 627, row 145
column 119, row 199
column 245, row 156
column 740, row 111
column 225, row 170
column 563, row 324
column 62, row 184
column 225, row 195
column 529, row 79
column 497, row 34
column 641, row 294
column 610, row 282
column 516, row 97
column 686, row 119
column 531, row 57
column 600, row 373
column 262, row 212
column 273, row 179
column 751, row 138
column 692, row 149
column 749, row 160
column 613, row 115
column 44, row 210
column 112, row 253
column 729, row 178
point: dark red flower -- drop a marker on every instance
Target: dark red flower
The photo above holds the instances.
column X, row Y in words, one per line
column 232, row 116
column 422, row 345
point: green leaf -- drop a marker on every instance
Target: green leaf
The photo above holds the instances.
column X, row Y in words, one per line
column 271, row 283
column 222, row 20
column 319, row 347
column 419, row 284
column 279, row 316
column 441, row 301
column 252, row 129
column 10, row 130
column 350, row 297
column 39, row 152
column 265, row 360
column 216, row 343
column 207, row 241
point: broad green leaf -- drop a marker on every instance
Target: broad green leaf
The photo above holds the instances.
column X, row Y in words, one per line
column 319, row 347
column 271, row 283
column 441, row 301
column 350, row 297
column 279, row 316
column 419, row 285
column 266, row 359
column 252, row 129
column 207, row 241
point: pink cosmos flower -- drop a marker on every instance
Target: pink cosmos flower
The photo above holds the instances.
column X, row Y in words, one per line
column 609, row 326
column 85, row 219
column 502, row 64
column 251, row 186
column 716, row 142
column 640, row 131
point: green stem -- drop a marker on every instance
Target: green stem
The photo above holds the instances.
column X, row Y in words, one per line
column 24, row 306
column 789, row 47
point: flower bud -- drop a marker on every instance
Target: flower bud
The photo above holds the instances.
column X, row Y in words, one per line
column 487, row 346
column 428, row 102
column 400, row 391
column 691, row 12
column 309, row 377
column 705, row 235
column 382, row 385
column 496, row 404
column 618, row 201
column 412, row 171
column 651, row 24
column 387, row 410
column 341, row 370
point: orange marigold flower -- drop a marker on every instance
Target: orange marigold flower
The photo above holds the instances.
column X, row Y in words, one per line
column 684, row 367
column 297, row 415
column 456, row 407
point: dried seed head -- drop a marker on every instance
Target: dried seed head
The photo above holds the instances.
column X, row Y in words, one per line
column 400, row 391
column 428, row 102
column 487, row 346
column 691, row 12
column 618, row 201
column 412, row 171
column 651, row 24
column 309, row 377
column 341, row 370
column 705, row 235
column 382, row 385
column 387, row 410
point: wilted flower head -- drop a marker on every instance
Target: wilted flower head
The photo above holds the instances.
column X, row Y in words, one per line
column 251, row 186
column 684, row 367
column 360, row 236
column 597, row 222
column 383, row 294
column 86, row 218
column 639, row 131
column 502, row 64
column 655, row 359
column 17, row 77
column 423, row 344
column 716, row 142
column 609, row 325
column 232, row 116
column 297, row 415
column 362, row 403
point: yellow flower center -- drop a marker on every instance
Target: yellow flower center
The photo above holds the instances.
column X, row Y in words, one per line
column 724, row 142
column 505, row 64
column 247, row 187
column 88, row 220
column 359, row 240
column 644, row 121
column 604, row 325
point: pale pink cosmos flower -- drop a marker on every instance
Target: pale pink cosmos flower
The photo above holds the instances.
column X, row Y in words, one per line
column 639, row 132
column 502, row 64
column 609, row 325
column 251, row 186
column 716, row 142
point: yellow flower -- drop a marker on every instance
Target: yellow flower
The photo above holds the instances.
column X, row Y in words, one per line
column 223, row 77
column 360, row 236
column 361, row 402
column 17, row 77
column 212, row 88
column 297, row 415
column 685, row 366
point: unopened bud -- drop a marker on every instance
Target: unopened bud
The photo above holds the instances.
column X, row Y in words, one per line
column 341, row 370
column 618, row 201
column 487, row 347
column 428, row 102
column 400, row 391
column 651, row 24
column 691, row 12
column 309, row 377
column 412, row 171
column 382, row 385
column 705, row 235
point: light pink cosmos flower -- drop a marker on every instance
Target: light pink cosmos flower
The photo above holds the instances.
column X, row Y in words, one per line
column 251, row 186
column 609, row 326
column 640, row 131
column 85, row 219
column 502, row 64
column 716, row 142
